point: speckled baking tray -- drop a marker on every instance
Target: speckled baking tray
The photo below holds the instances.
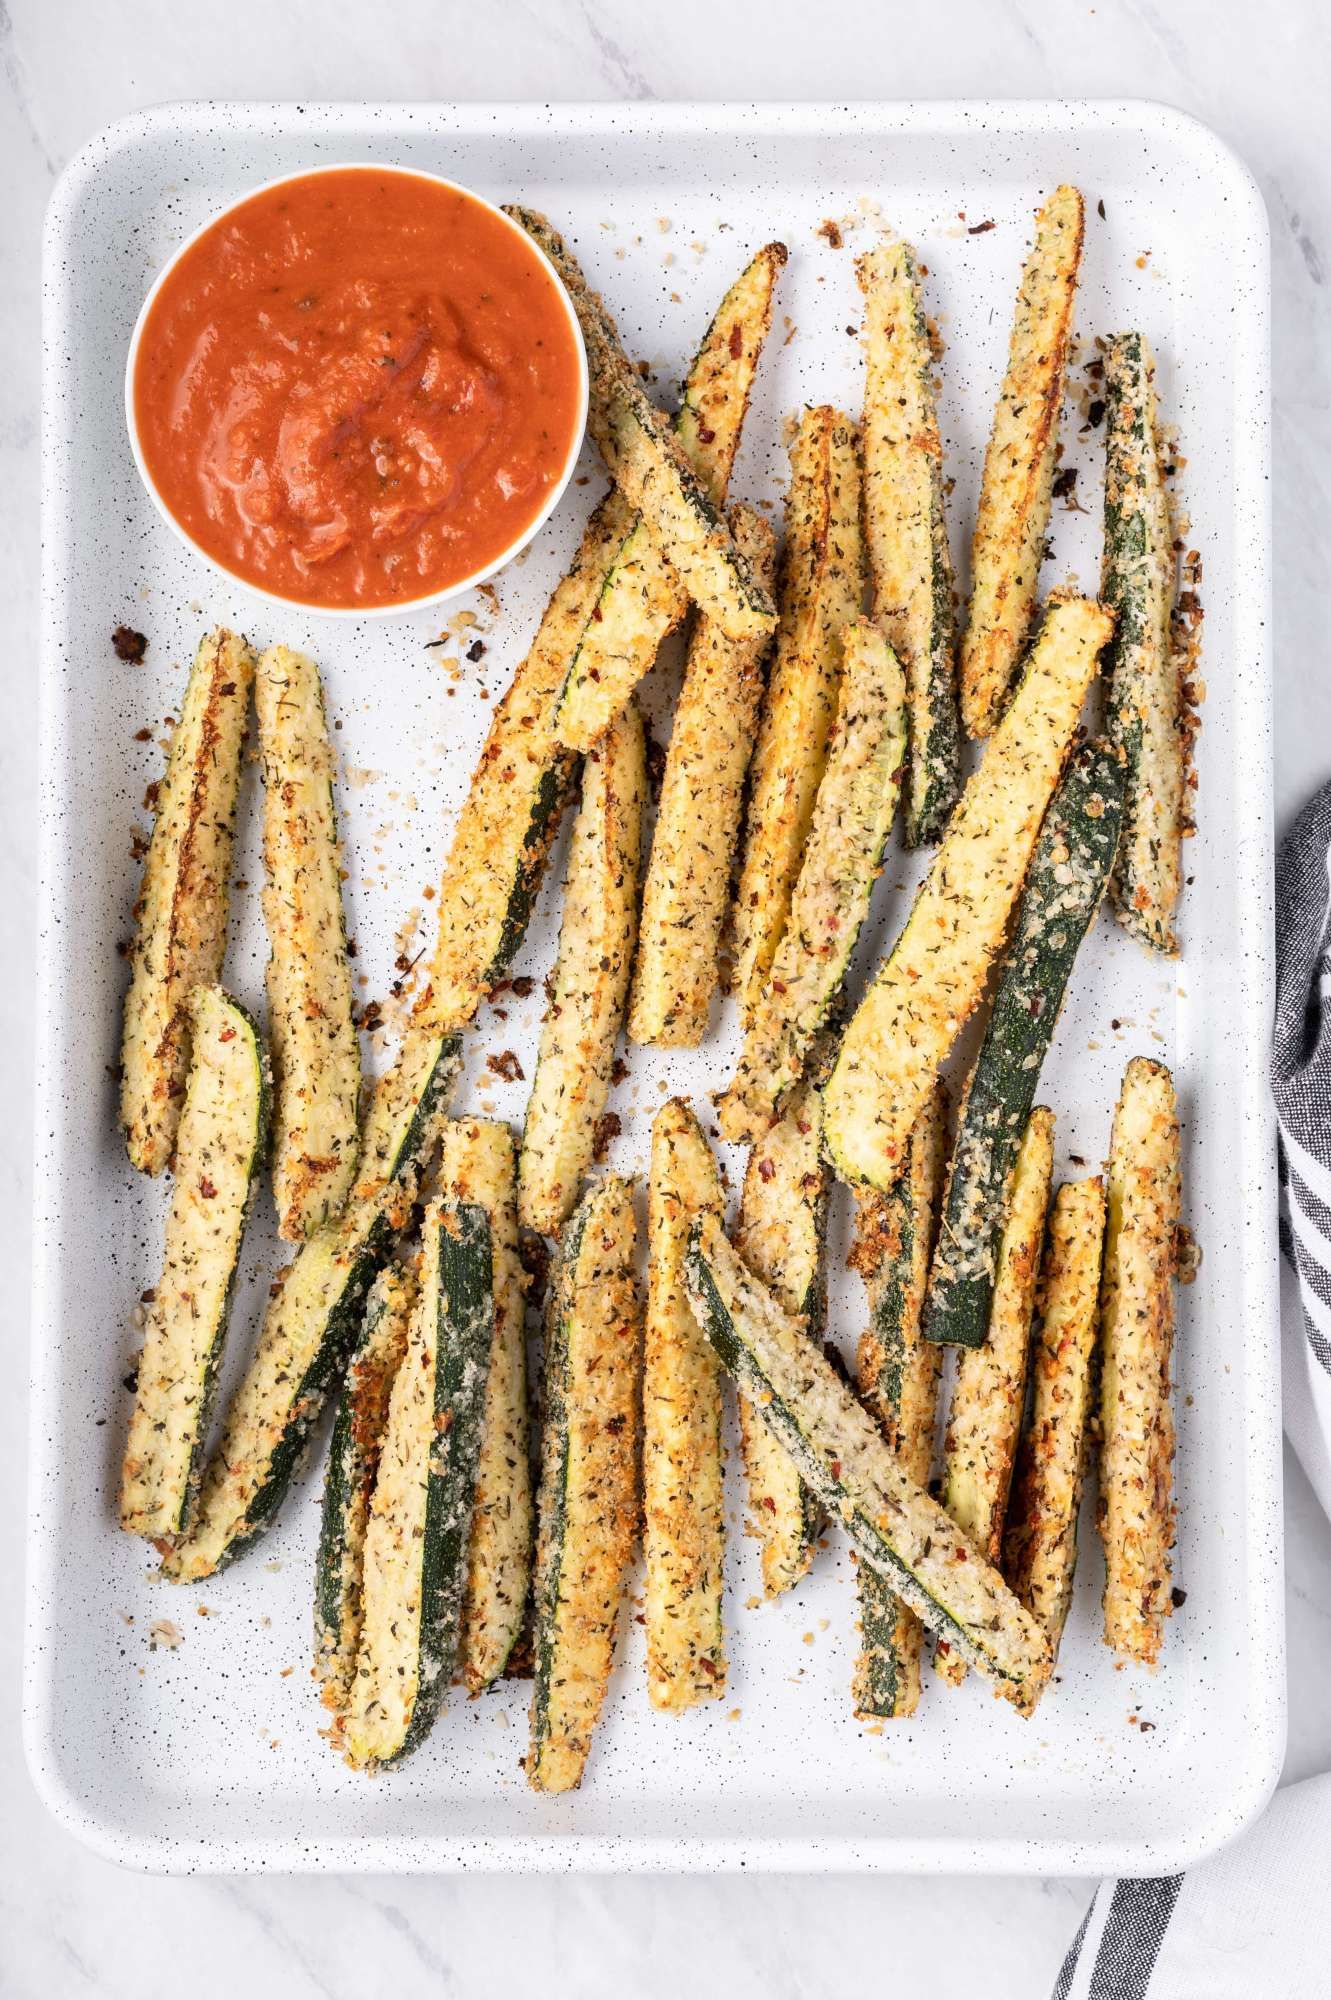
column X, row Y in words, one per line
column 195, row 1744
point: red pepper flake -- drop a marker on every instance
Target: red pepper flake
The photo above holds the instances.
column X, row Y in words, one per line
column 830, row 232
column 522, row 986
column 980, row 228
column 506, row 1065
column 206, row 1188
column 227, row 1035
column 767, row 1170
column 736, row 341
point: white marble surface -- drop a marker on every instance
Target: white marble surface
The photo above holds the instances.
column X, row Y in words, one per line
column 69, row 1924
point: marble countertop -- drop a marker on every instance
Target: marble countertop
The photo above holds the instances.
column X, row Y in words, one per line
column 70, row 1923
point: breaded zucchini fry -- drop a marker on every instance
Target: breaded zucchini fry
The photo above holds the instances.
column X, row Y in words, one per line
column 315, row 1048
column 822, row 584
column 591, row 978
column 687, row 889
column 181, row 914
column 1017, row 488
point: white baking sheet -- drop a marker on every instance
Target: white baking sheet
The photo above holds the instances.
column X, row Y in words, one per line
column 206, row 1753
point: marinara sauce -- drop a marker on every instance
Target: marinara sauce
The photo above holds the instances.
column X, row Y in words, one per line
column 357, row 388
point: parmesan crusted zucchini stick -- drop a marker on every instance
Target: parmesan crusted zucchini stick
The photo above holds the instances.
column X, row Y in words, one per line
column 219, row 1150
column 181, row 914
column 935, row 974
column 478, row 1170
column 315, row 1048
column 591, row 978
column 687, row 889
column 1040, row 1540
column 1141, row 674
column 353, row 1467
column 895, row 1526
column 588, row 1509
column 683, row 1502
column 898, row 1383
column 420, row 1515
column 782, row 1237
column 1136, row 1511
column 1017, row 488
column 852, row 817
column 905, row 531
column 512, row 809
column 989, row 1395
column 648, row 463
column 643, row 599
column 822, row 584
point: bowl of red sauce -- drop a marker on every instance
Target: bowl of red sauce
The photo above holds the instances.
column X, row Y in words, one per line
column 359, row 389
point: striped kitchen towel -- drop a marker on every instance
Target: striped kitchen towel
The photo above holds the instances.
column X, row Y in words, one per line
column 1252, row 1924
column 1301, row 1085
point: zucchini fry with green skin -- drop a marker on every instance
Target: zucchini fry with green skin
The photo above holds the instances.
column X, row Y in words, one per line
column 822, row 585
column 353, row 1466
column 687, row 890
column 1064, row 889
column 478, row 1170
column 589, row 1501
column 897, row 1529
column 180, row 917
column 591, row 978
column 648, row 463
column 1142, row 697
column 897, row 1374
column 934, row 976
column 989, row 1395
column 1016, row 491
column 683, row 1501
column 643, row 599
column 852, row 817
column 420, row 1515
column 781, row 1235
column 316, row 1051
column 905, row 530
column 518, row 790
column 220, row 1146
column 315, row 1314
column 1040, row 1539
column 1136, row 1509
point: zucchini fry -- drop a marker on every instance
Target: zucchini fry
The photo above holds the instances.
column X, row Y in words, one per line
column 588, row 1508
column 1141, row 675
column 591, row 978
column 905, row 530
column 478, row 1171
column 353, row 1467
column 1016, row 491
column 687, row 891
column 181, row 913
column 1040, row 1539
column 1064, row 889
column 512, row 809
column 648, row 463
column 315, row 1314
column 420, row 1514
column 643, row 599
column 316, row 1051
column 219, row 1148
column 935, row 974
column 898, row 1383
column 1136, row 1510
column 852, row 817
column 683, row 1502
column 781, row 1235
column 821, row 588
column 897, row 1529
column 989, row 1395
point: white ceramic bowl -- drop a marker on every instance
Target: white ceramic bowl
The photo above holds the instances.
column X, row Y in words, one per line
column 396, row 610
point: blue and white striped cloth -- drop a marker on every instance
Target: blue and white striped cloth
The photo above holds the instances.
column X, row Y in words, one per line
column 1255, row 1922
